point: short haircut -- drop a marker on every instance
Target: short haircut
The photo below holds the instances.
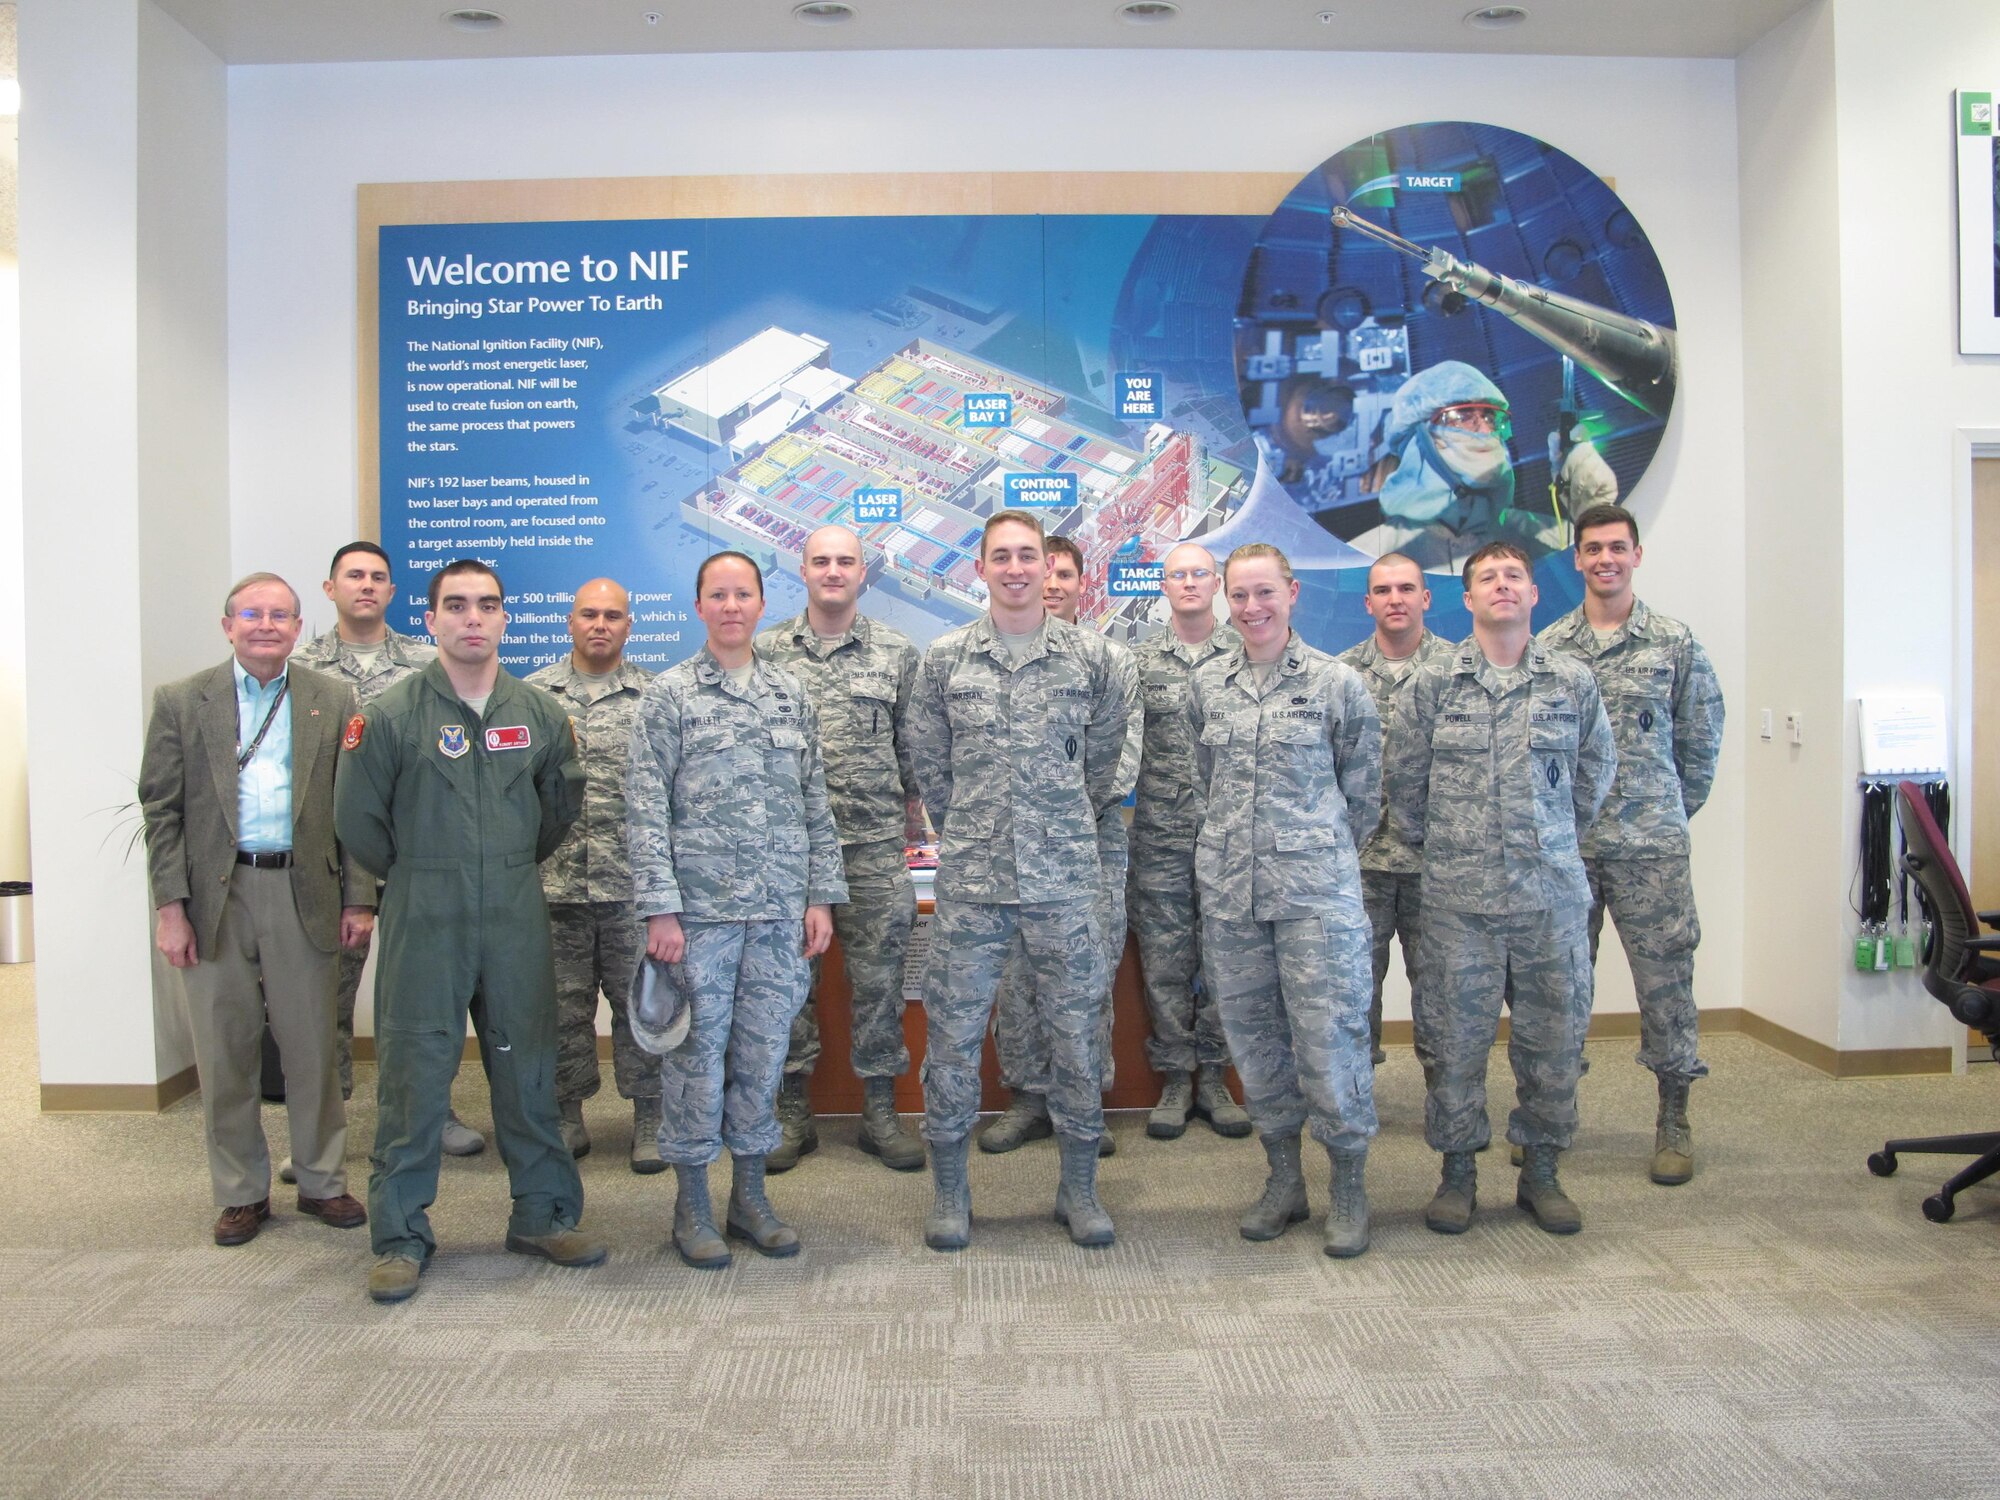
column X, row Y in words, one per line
column 1497, row 549
column 1018, row 517
column 1062, row 546
column 463, row 565
column 1394, row 559
column 1251, row 550
column 1605, row 514
column 250, row 581
column 333, row 568
column 701, row 572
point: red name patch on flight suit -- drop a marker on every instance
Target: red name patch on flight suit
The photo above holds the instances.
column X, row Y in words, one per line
column 515, row 737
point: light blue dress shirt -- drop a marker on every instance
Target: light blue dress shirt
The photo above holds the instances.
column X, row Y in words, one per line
column 264, row 787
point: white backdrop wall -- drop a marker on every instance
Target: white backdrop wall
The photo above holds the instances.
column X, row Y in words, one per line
column 302, row 137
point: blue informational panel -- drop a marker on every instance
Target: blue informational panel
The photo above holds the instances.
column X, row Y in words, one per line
column 573, row 400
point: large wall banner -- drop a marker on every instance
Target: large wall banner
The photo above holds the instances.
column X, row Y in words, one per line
column 570, row 395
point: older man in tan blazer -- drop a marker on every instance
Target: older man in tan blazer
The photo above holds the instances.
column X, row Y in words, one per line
column 237, row 789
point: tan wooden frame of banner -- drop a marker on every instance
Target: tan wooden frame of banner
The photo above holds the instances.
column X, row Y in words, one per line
column 892, row 194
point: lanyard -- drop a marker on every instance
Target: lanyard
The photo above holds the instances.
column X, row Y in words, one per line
column 245, row 757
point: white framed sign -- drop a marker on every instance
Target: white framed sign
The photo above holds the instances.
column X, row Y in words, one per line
column 1978, row 228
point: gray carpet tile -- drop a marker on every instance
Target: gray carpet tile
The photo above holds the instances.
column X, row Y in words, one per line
column 1785, row 1325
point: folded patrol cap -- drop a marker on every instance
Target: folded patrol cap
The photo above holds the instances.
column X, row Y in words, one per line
column 656, row 1008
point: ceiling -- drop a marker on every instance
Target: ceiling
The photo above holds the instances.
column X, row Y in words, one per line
column 293, row 31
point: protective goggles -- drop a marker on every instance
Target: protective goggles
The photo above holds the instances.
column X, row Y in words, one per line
column 1475, row 416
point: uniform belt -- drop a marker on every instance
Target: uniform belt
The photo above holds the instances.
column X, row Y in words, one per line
column 273, row 861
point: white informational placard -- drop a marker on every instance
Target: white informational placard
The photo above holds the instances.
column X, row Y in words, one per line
column 1978, row 233
column 1903, row 734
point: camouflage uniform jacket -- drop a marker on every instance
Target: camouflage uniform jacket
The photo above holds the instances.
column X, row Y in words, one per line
column 401, row 655
column 1496, row 785
column 861, row 691
column 1385, row 675
column 725, row 798
column 1164, row 815
column 1666, row 713
column 593, row 863
column 1290, row 782
column 1018, row 765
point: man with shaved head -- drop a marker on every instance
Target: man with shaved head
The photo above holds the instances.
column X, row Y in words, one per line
column 858, row 673
column 1391, row 871
column 588, row 880
column 1187, row 1046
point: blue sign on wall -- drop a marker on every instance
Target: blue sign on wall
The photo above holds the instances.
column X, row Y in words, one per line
column 877, row 504
column 1141, row 397
column 1030, row 491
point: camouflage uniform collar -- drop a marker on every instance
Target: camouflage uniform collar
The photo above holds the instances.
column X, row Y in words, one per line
column 1290, row 661
column 1167, row 643
column 569, row 679
column 798, row 630
column 711, row 673
column 1049, row 637
column 1471, row 662
column 396, row 647
column 1576, row 625
column 1370, row 652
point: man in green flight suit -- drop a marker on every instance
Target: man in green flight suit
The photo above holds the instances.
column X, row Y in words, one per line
column 453, row 785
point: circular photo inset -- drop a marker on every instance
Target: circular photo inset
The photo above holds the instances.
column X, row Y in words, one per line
column 1449, row 334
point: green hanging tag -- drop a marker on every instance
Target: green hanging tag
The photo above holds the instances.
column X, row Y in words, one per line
column 1906, row 951
column 1864, row 952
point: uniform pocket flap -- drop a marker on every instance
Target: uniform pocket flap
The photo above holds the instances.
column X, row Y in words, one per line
column 1216, row 733
column 788, row 737
column 1462, row 734
column 1293, row 840
column 969, row 825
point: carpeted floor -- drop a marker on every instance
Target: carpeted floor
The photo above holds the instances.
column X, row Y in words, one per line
column 1786, row 1325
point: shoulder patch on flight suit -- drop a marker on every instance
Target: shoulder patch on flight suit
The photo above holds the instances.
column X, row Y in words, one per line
column 351, row 738
column 452, row 742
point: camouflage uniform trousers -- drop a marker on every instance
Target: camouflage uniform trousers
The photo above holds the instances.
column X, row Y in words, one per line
column 1020, row 1036
column 597, row 946
column 1064, row 948
column 1652, row 901
column 1166, row 921
column 744, row 982
column 874, row 932
column 1395, row 908
column 1294, row 1001
column 1469, row 959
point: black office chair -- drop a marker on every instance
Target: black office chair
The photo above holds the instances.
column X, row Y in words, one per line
column 1962, row 969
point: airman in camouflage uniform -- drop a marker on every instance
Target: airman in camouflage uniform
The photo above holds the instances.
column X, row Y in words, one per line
column 735, row 860
column 1493, row 773
column 588, row 880
column 1666, row 712
column 1187, row 1046
column 859, row 677
column 1020, row 1040
column 1288, row 765
column 362, row 650
column 1392, row 872
column 1017, row 725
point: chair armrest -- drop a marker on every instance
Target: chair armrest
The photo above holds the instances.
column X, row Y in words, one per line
column 1988, row 918
column 1984, row 944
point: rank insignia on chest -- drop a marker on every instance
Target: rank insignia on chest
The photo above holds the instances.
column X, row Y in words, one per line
column 452, row 742
column 1645, row 719
column 513, row 737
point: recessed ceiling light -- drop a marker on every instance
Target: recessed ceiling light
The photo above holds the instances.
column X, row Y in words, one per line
column 473, row 20
column 823, row 12
column 1496, row 18
column 1148, row 12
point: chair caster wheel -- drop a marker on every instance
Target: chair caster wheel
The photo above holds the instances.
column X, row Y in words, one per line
column 1882, row 1164
column 1938, row 1208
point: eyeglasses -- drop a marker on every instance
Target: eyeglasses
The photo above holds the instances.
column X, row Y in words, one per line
column 1475, row 416
column 1199, row 575
column 275, row 616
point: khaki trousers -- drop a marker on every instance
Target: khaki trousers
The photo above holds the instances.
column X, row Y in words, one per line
column 264, row 961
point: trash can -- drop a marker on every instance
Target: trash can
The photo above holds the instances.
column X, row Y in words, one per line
column 17, row 922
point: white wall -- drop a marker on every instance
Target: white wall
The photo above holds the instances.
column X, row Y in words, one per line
column 122, row 410
column 1796, row 858
column 1905, row 390
column 303, row 137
